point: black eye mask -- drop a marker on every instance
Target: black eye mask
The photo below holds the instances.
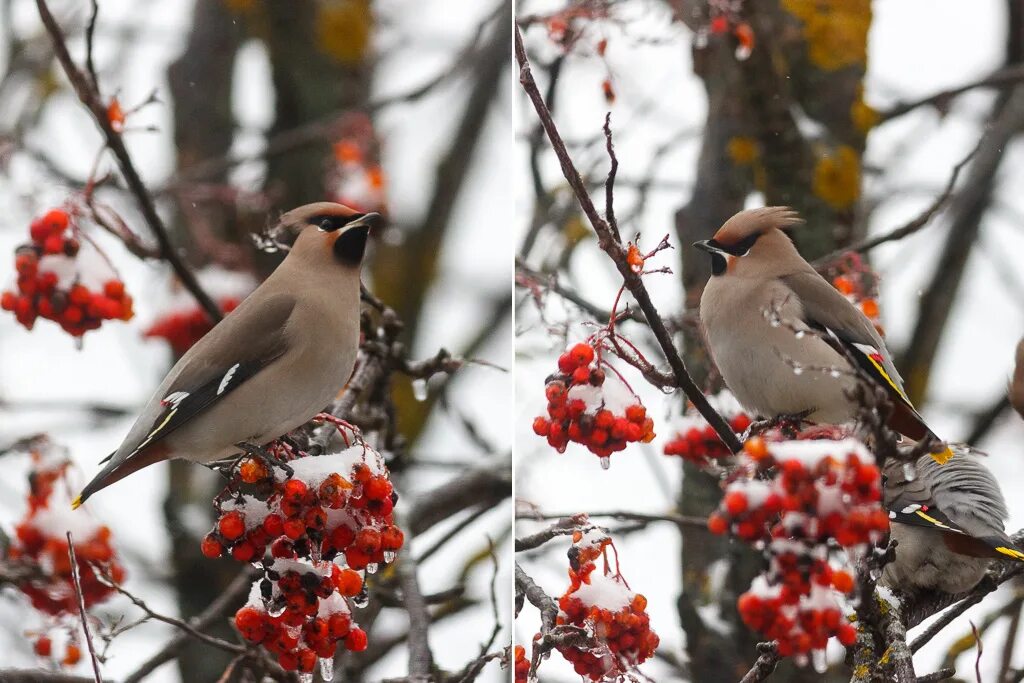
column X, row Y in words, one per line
column 738, row 249
column 330, row 223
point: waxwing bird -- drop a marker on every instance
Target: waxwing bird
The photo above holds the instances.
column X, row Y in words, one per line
column 782, row 336
column 948, row 524
column 271, row 364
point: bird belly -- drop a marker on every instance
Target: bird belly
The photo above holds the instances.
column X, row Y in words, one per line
column 785, row 375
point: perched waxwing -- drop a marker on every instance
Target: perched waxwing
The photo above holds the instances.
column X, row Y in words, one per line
column 947, row 521
column 271, row 364
column 782, row 336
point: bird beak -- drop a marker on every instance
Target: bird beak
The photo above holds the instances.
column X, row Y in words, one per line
column 372, row 221
column 706, row 245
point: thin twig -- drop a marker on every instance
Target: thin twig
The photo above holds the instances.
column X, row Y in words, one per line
column 81, row 610
column 421, row 659
column 909, row 228
column 1002, row 78
column 764, row 665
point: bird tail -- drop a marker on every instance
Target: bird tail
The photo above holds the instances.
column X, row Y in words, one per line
column 117, row 468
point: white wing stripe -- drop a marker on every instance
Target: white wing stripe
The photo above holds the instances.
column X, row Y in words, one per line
column 227, row 379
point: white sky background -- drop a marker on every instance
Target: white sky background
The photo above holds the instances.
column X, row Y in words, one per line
column 916, row 48
column 117, row 367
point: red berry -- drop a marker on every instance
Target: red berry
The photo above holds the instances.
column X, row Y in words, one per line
column 273, row 525
column 349, row 583
column 113, row 288
column 244, row 551
column 368, row 540
column 211, row 547
column 43, row 646
column 55, row 220
column 541, row 427
column 231, row 525
column 294, row 527
column 377, row 488
column 295, row 489
column 583, row 354
column 339, row 625
column 581, row 375
column 53, row 245
column 355, row 641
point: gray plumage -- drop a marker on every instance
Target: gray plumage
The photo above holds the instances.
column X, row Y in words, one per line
column 969, row 496
column 271, row 364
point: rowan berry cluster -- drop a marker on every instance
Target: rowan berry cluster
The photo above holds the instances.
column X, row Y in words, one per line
column 50, row 285
column 696, row 441
column 356, row 179
column 592, row 408
column 323, row 523
column 797, row 499
column 40, row 540
column 603, row 604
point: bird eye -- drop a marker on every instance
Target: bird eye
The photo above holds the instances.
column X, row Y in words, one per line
column 325, row 225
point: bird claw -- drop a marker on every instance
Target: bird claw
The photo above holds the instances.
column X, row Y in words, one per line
column 254, row 451
column 789, row 423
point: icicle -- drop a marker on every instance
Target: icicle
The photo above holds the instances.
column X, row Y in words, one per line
column 419, row 389
column 819, row 661
column 606, row 462
column 371, row 568
column 327, row 668
column 389, row 556
column 305, row 678
column 362, row 599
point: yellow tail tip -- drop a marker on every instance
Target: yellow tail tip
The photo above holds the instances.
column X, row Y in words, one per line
column 76, row 503
column 942, row 457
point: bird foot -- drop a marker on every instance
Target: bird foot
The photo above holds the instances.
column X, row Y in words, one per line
column 260, row 453
column 788, row 423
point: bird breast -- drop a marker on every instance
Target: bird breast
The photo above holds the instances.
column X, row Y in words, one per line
column 768, row 357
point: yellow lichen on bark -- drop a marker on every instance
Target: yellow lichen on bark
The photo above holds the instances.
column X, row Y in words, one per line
column 837, row 177
column 863, row 115
column 743, row 150
column 343, row 29
column 836, row 30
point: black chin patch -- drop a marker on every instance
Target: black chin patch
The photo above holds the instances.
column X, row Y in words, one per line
column 718, row 264
column 351, row 245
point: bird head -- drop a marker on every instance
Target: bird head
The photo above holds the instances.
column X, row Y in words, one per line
column 755, row 234
column 326, row 228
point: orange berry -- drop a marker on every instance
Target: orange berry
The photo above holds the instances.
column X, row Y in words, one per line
column 72, row 653
column 842, row 581
column 735, row 502
column 755, row 448
column 717, row 524
column 356, row 641
column 349, row 583
column 43, row 646
column 869, row 307
column 211, row 547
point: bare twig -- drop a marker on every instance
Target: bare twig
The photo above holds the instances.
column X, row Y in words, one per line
column 764, row 665
column 421, row 659
column 610, row 243
column 81, row 610
column 1005, row 77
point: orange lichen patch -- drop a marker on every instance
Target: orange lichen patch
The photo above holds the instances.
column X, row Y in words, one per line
column 343, row 29
column 837, row 177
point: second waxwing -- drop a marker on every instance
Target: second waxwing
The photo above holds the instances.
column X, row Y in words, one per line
column 948, row 524
column 783, row 337
column 271, row 364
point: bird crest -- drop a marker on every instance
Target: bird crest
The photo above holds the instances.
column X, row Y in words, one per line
column 756, row 221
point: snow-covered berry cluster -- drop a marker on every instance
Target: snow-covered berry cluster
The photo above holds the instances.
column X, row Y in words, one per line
column 52, row 283
column 603, row 604
column 588, row 406
column 696, row 441
column 182, row 322
column 797, row 500
column 40, row 541
column 323, row 523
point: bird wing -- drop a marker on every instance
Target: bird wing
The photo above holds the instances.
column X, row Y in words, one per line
column 969, row 531
column 855, row 336
column 246, row 341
